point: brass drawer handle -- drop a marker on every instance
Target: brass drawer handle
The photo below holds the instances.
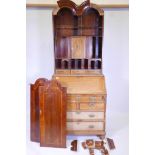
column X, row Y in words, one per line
column 91, row 104
column 91, row 115
column 78, row 98
column 91, row 126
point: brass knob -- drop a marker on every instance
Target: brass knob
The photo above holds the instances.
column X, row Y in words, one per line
column 78, row 98
column 91, row 115
column 91, row 126
column 91, row 104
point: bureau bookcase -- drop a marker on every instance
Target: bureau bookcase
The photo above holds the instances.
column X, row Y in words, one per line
column 73, row 102
column 78, row 39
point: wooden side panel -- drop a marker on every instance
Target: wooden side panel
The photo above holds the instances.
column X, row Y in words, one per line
column 53, row 115
column 34, row 110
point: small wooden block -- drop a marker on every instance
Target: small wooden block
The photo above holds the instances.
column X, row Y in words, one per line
column 106, row 152
column 91, row 151
column 90, row 143
column 99, row 145
column 84, row 145
column 74, row 145
column 111, row 143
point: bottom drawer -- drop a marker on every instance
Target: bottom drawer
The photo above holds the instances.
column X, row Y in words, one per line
column 85, row 126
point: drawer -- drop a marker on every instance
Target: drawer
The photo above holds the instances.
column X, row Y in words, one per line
column 62, row 71
column 86, row 98
column 92, row 106
column 94, row 72
column 85, row 126
column 85, row 115
column 71, row 106
column 86, row 72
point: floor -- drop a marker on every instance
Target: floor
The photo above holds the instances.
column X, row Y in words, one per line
column 117, row 129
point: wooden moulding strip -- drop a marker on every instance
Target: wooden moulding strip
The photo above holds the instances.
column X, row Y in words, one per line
column 28, row 5
column 85, row 120
column 38, row 5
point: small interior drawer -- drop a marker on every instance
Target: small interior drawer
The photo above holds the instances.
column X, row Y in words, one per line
column 92, row 106
column 62, row 71
column 85, row 116
column 86, row 72
column 71, row 106
column 86, row 98
column 85, row 126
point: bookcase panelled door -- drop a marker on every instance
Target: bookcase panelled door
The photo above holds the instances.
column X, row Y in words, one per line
column 35, row 109
column 53, row 115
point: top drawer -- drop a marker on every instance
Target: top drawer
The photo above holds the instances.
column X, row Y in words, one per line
column 86, row 98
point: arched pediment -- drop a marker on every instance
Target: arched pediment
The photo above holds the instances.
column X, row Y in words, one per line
column 77, row 9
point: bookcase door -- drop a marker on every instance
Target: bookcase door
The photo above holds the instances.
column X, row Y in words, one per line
column 53, row 115
column 34, row 113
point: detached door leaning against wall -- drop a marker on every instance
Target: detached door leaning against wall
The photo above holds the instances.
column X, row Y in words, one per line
column 52, row 115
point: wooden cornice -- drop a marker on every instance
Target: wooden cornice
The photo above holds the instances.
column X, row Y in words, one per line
column 30, row 5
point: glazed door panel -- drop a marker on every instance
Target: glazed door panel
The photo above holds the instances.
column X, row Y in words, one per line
column 53, row 115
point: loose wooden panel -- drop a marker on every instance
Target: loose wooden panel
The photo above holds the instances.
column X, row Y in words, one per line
column 85, row 126
column 83, row 84
column 34, row 109
column 85, row 116
column 53, row 115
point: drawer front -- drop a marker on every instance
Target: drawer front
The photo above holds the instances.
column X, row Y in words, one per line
column 61, row 71
column 92, row 106
column 85, row 115
column 71, row 106
column 85, row 126
column 81, row 72
column 85, row 72
column 86, row 98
